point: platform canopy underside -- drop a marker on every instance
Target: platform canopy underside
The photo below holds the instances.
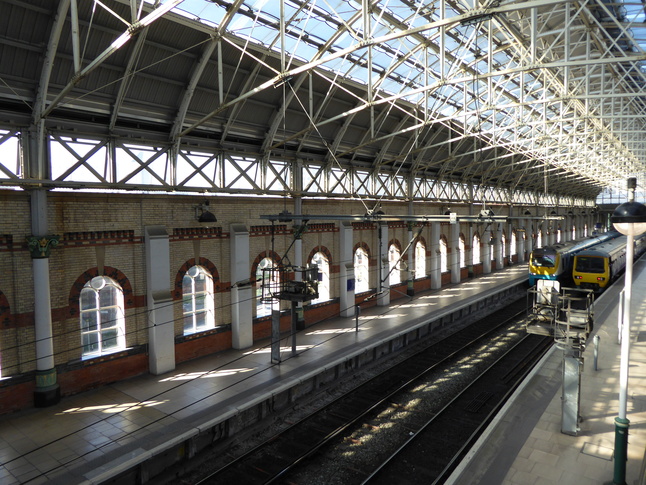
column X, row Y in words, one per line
column 532, row 97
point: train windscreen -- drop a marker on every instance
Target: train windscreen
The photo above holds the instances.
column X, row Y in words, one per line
column 544, row 258
column 587, row 264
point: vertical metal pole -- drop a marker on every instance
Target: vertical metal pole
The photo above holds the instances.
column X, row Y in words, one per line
column 275, row 337
column 571, row 393
column 596, row 351
column 357, row 312
column 294, row 325
column 620, row 317
column 621, row 422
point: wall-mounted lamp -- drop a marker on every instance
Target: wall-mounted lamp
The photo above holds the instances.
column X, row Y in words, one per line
column 527, row 212
column 203, row 215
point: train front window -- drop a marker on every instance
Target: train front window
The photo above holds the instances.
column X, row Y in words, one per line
column 586, row 264
column 544, row 260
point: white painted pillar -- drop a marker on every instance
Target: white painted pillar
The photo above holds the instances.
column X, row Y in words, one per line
column 529, row 237
column 161, row 326
column 520, row 244
column 241, row 289
column 552, row 235
column 455, row 252
column 383, row 288
column 299, row 263
column 469, row 252
column 347, row 280
column 436, row 276
column 498, row 248
column 486, row 252
column 410, row 267
column 47, row 391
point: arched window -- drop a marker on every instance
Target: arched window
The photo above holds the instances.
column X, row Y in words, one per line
column 503, row 246
column 444, row 263
column 197, row 295
column 558, row 234
column 271, row 281
column 420, row 260
column 102, row 317
column 321, row 261
column 462, row 250
column 393, row 265
column 475, row 249
column 361, row 273
column 539, row 239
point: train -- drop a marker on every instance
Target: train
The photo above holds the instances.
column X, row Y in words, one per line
column 595, row 268
column 556, row 262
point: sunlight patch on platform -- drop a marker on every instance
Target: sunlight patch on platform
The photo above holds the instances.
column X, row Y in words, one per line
column 206, row 374
column 111, row 408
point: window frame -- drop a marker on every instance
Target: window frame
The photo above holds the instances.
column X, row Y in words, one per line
column 208, row 308
column 324, row 278
column 96, row 307
column 366, row 265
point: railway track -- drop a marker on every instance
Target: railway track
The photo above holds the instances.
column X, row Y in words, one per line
column 297, row 454
column 433, row 451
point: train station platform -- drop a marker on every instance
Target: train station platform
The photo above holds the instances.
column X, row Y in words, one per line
column 133, row 428
column 524, row 445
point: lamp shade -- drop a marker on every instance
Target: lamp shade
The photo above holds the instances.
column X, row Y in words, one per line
column 630, row 218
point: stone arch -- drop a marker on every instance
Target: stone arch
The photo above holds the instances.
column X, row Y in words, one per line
column 363, row 246
column 115, row 274
column 320, row 249
column 205, row 263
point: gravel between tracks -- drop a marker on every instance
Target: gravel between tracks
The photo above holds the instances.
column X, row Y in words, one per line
column 344, row 463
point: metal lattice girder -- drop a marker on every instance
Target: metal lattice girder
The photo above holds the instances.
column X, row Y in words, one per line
column 514, row 98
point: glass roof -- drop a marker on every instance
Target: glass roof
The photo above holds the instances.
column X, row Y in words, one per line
column 561, row 84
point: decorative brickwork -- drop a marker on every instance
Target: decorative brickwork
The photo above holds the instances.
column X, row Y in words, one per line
column 205, row 263
column 363, row 246
column 73, row 239
column 422, row 240
column 255, row 231
column 363, row 226
column 331, row 227
column 275, row 257
column 115, row 274
column 398, row 225
column 320, row 249
column 183, row 233
column 396, row 243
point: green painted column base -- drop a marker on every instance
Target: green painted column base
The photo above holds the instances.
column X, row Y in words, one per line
column 47, row 392
column 410, row 288
column 621, row 450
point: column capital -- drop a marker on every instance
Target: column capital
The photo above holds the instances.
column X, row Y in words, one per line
column 40, row 246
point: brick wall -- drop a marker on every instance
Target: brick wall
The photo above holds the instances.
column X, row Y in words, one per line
column 104, row 234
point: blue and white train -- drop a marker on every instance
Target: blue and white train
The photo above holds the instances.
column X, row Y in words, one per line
column 556, row 262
